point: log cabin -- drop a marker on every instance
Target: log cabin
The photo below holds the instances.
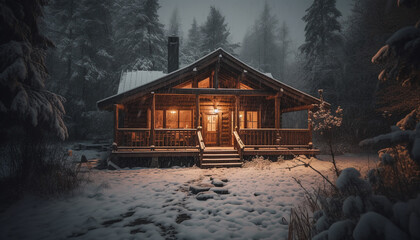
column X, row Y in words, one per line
column 217, row 110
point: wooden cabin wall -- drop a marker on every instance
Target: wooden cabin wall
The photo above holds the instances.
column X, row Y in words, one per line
column 226, row 136
column 177, row 102
column 135, row 113
column 264, row 106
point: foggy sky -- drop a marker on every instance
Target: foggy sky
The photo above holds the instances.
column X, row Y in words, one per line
column 241, row 14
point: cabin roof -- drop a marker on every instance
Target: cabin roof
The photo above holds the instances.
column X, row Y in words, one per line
column 133, row 79
column 138, row 83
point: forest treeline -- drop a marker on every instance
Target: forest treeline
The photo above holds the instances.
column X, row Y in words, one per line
column 96, row 40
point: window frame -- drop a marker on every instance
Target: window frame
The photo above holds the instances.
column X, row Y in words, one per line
column 243, row 121
column 178, row 112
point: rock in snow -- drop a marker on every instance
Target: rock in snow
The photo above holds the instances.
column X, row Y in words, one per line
column 203, row 196
column 198, row 189
column 217, row 183
column 220, row 190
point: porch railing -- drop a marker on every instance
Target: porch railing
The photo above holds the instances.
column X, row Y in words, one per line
column 133, row 137
column 201, row 145
column 275, row 137
column 163, row 138
column 175, row 138
column 238, row 144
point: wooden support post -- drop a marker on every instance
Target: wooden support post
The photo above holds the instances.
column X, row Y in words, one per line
column 197, row 110
column 152, row 122
column 310, row 128
column 238, row 121
column 116, row 109
column 277, row 110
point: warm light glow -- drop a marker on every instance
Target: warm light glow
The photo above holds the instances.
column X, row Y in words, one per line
column 216, row 110
column 173, row 112
column 240, row 115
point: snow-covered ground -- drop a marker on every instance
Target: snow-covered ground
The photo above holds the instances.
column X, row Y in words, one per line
column 157, row 204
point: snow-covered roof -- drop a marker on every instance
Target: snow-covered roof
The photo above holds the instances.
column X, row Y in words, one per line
column 133, row 79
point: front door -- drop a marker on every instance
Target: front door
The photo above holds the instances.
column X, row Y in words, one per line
column 211, row 129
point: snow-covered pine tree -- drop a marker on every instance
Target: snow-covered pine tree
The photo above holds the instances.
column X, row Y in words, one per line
column 24, row 99
column 93, row 77
column 139, row 35
column 192, row 47
column 284, row 44
column 321, row 29
column 216, row 33
column 60, row 26
column 154, row 41
column 321, row 42
column 260, row 47
column 400, row 58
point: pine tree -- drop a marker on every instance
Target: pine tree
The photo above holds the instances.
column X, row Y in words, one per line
column 93, row 74
column 260, row 47
column 192, row 47
column 61, row 27
column 154, row 40
column 321, row 29
column 139, row 35
column 284, row 44
column 322, row 48
column 24, row 99
column 216, row 33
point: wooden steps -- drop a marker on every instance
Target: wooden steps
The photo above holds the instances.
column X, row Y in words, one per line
column 221, row 158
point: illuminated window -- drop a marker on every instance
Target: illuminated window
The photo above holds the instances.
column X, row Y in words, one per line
column 185, row 119
column 212, row 123
column 251, row 119
column 171, row 119
column 241, row 119
column 159, row 119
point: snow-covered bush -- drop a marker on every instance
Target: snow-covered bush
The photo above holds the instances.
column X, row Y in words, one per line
column 364, row 215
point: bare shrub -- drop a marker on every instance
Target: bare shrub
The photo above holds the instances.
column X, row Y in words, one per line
column 258, row 162
column 305, row 214
column 37, row 167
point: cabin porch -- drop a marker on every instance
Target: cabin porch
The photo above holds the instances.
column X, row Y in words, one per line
column 142, row 143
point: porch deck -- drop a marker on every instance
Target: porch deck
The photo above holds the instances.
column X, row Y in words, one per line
column 147, row 143
column 194, row 152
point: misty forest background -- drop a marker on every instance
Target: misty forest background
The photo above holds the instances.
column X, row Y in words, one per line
column 94, row 41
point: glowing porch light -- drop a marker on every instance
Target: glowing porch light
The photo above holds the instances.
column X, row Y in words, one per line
column 216, row 110
column 173, row 112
